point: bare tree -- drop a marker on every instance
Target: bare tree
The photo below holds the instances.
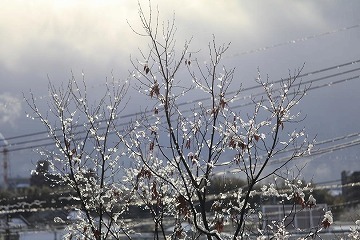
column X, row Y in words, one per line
column 86, row 158
column 179, row 148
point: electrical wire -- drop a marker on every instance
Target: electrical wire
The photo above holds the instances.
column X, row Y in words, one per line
column 302, row 39
column 320, row 151
column 197, row 100
column 232, row 92
column 247, row 52
column 237, row 106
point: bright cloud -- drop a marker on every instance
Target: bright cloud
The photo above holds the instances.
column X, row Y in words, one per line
column 48, row 32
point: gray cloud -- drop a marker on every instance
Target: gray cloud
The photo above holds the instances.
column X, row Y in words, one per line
column 40, row 38
column 10, row 109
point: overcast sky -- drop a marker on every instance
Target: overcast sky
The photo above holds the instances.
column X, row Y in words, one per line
column 49, row 39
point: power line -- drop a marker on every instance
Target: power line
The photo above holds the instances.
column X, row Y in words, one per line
column 230, row 194
column 124, row 124
column 308, row 89
column 321, row 151
column 210, row 197
column 242, row 105
column 299, row 76
column 302, row 39
column 287, row 159
column 253, row 51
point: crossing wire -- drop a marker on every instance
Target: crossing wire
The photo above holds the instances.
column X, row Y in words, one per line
column 237, row 106
column 12, row 147
column 242, row 90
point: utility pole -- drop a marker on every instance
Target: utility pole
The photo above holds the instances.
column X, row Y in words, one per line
column 5, row 164
column 4, row 150
column 6, row 168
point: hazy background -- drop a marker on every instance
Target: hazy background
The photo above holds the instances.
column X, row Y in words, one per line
column 42, row 40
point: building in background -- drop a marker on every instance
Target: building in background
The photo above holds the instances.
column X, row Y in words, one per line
column 351, row 186
column 297, row 217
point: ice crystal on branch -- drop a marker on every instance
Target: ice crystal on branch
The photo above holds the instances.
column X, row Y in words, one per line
column 328, row 219
column 174, row 150
column 86, row 161
column 191, row 145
